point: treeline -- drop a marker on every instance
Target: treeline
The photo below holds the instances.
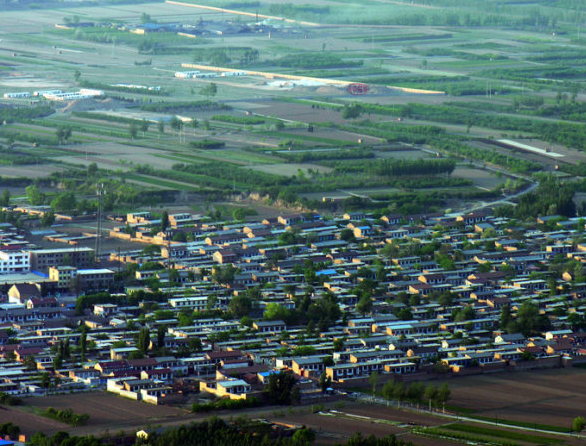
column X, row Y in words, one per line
column 315, row 61
column 184, row 106
column 324, row 155
column 546, row 75
column 437, row 138
column 229, row 173
column 226, row 404
column 443, row 51
column 88, row 300
column 451, row 87
column 105, row 117
column 398, row 167
column 290, row 9
column 217, row 432
column 67, row 416
column 244, row 120
column 154, row 47
column 33, row 138
column 9, row 429
column 20, row 114
column 13, row 157
column 512, row 162
column 207, row 144
column 568, row 134
column 9, row 400
column 552, row 197
column 224, row 56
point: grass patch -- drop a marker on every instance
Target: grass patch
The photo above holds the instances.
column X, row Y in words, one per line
column 159, row 182
column 509, row 435
column 545, row 427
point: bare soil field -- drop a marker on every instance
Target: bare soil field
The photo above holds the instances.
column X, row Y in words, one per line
column 30, row 171
column 338, row 425
column 480, row 178
column 107, row 412
column 552, row 397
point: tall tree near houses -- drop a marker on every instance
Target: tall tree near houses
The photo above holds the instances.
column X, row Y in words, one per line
column 164, row 221
column 144, row 340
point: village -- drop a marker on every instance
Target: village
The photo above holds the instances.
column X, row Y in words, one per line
column 217, row 307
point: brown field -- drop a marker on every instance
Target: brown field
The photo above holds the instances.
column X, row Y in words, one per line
column 338, row 425
column 107, row 412
column 553, row 397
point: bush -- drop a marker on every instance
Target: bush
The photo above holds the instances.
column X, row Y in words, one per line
column 67, row 416
column 9, row 400
column 226, row 404
column 207, row 144
column 579, row 423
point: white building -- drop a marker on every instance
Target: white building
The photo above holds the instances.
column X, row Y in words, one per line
column 186, row 74
column 14, row 261
column 21, row 94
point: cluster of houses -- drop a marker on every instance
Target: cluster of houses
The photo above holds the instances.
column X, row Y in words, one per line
column 440, row 289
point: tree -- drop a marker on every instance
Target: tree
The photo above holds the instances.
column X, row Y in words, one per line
column 34, row 195
column 30, row 362
column 5, row 199
column 324, row 382
column 63, row 133
column 352, row 111
column 64, row 202
column 578, row 424
column 161, row 332
column 210, row 90
column 279, row 387
column 505, row 318
column 175, row 123
column 224, row 274
column 399, row 391
column 57, row 362
column 66, row 349
column 338, row 344
column 240, row 306
column 212, row 301
column 83, row 345
column 92, row 169
column 164, row 221
column 364, row 305
column 45, row 380
column 144, row 126
column 443, row 395
column 195, row 345
column 387, row 390
column 132, row 130
column 373, row 380
column 303, row 436
column 239, row 214
column 430, row 393
column 145, row 18
column 416, row 391
column 529, row 319
column 47, row 219
column 144, row 340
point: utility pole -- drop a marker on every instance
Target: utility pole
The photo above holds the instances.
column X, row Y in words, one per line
column 99, row 192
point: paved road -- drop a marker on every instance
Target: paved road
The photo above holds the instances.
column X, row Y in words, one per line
column 505, row 200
